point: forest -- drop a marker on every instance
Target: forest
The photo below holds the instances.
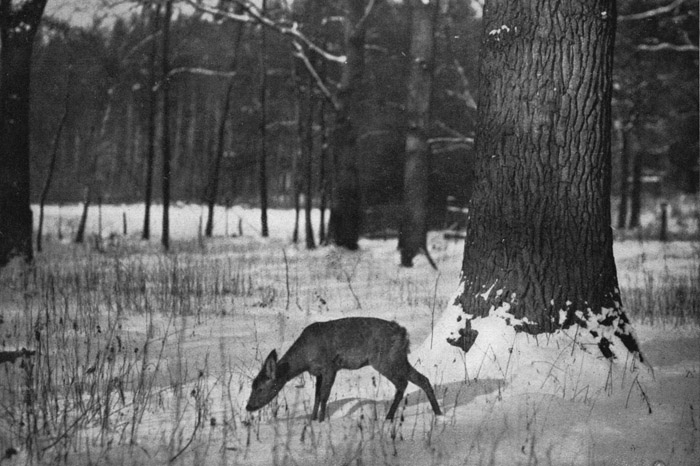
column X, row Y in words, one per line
column 469, row 229
column 95, row 85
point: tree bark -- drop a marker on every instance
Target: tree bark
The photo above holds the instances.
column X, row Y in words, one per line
column 165, row 142
column 539, row 242
column 152, row 115
column 346, row 216
column 18, row 27
column 414, row 225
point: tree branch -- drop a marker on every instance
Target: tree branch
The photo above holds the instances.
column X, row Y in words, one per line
column 255, row 16
column 668, row 46
column 653, row 12
column 299, row 53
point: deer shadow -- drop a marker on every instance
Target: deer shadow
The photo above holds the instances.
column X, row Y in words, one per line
column 450, row 396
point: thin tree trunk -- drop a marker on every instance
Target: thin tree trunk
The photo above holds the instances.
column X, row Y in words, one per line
column 346, row 215
column 152, row 115
column 165, row 149
column 414, row 225
column 308, row 151
column 624, row 178
column 636, row 194
column 539, row 242
column 323, row 177
column 18, row 26
column 213, row 185
column 262, row 168
column 80, row 234
column 49, row 175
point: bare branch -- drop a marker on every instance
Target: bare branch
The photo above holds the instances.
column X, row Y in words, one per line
column 653, row 12
column 254, row 15
column 299, row 53
column 202, row 71
column 668, row 46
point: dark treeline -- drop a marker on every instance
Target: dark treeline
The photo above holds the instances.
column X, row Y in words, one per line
column 96, row 80
column 99, row 78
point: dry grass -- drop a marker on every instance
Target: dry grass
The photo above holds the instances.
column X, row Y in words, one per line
column 134, row 361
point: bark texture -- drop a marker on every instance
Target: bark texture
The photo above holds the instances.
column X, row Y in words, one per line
column 539, row 241
column 414, row 226
column 344, row 228
column 18, row 26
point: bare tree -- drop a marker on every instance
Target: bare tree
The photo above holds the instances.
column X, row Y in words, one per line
column 165, row 142
column 346, row 215
column 19, row 22
column 414, row 225
column 213, row 185
column 152, row 116
column 262, row 163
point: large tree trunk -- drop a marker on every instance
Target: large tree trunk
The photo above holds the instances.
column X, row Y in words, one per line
column 414, row 225
column 18, row 27
column 539, row 242
column 152, row 115
column 344, row 228
column 165, row 149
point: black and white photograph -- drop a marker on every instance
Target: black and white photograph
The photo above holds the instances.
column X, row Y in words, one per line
column 349, row 232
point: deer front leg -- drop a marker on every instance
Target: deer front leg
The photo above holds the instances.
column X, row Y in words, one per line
column 325, row 393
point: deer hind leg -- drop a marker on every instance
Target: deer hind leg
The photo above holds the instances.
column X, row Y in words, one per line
column 422, row 381
column 317, row 397
column 400, row 384
column 323, row 392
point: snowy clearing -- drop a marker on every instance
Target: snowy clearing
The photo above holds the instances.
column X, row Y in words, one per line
column 157, row 365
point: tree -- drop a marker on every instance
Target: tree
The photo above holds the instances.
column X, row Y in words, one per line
column 414, row 226
column 539, row 242
column 165, row 149
column 213, row 185
column 344, row 226
column 18, row 26
column 262, row 164
column 152, row 114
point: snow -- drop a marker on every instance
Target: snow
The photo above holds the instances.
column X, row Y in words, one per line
column 513, row 399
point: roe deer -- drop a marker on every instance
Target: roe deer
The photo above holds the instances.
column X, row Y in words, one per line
column 351, row 343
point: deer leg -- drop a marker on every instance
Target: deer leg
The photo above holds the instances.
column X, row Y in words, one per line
column 325, row 393
column 400, row 385
column 317, row 398
column 422, row 381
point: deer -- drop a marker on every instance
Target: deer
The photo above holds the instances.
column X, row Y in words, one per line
column 323, row 348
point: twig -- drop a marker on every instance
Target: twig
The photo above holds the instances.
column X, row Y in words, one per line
column 653, row 12
column 254, row 15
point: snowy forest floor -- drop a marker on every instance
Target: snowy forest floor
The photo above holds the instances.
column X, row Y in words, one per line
column 147, row 358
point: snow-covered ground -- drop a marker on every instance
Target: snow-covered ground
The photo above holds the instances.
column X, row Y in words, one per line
column 200, row 320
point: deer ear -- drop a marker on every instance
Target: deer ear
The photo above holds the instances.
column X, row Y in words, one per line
column 270, row 365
